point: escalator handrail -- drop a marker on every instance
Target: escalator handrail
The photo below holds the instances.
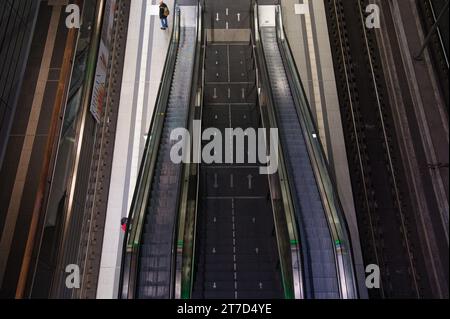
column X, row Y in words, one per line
column 188, row 282
column 197, row 196
column 327, row 187
column 139, row 203
column 182, row 279
column 439, row 30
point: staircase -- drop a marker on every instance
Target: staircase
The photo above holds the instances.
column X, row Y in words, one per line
column 256, row 275
column 236, row 246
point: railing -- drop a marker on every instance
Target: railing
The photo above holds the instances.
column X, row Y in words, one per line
column 191, row 227
column 129, row 269
column 437, row 18
column 331, row 203
column 189, row 189
column 292, row 281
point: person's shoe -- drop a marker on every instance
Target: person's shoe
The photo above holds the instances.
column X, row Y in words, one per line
column 163, row 28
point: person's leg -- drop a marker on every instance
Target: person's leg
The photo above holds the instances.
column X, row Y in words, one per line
column 166, row 23
column 163, row 26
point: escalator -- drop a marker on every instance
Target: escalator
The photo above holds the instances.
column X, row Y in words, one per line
column 148, row 263
column 220, row 229
column 327, row 263
column 285, row 237
column 306, row 195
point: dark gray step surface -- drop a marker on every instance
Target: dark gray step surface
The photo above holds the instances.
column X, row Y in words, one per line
column 236, row 249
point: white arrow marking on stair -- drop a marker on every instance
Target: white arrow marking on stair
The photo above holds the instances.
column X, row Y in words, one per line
column 226, row 11
column 239, row 17
column 243, row 93
column 215, row 93
column 216, row 185
column 217, row 16
column 250, row 178
column 226, row 25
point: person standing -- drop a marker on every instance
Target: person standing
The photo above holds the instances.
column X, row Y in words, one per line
column 163, row 15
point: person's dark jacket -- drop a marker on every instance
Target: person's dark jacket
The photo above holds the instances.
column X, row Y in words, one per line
column 162, row 8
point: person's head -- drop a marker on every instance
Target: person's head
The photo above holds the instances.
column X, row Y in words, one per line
column 161, row 2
